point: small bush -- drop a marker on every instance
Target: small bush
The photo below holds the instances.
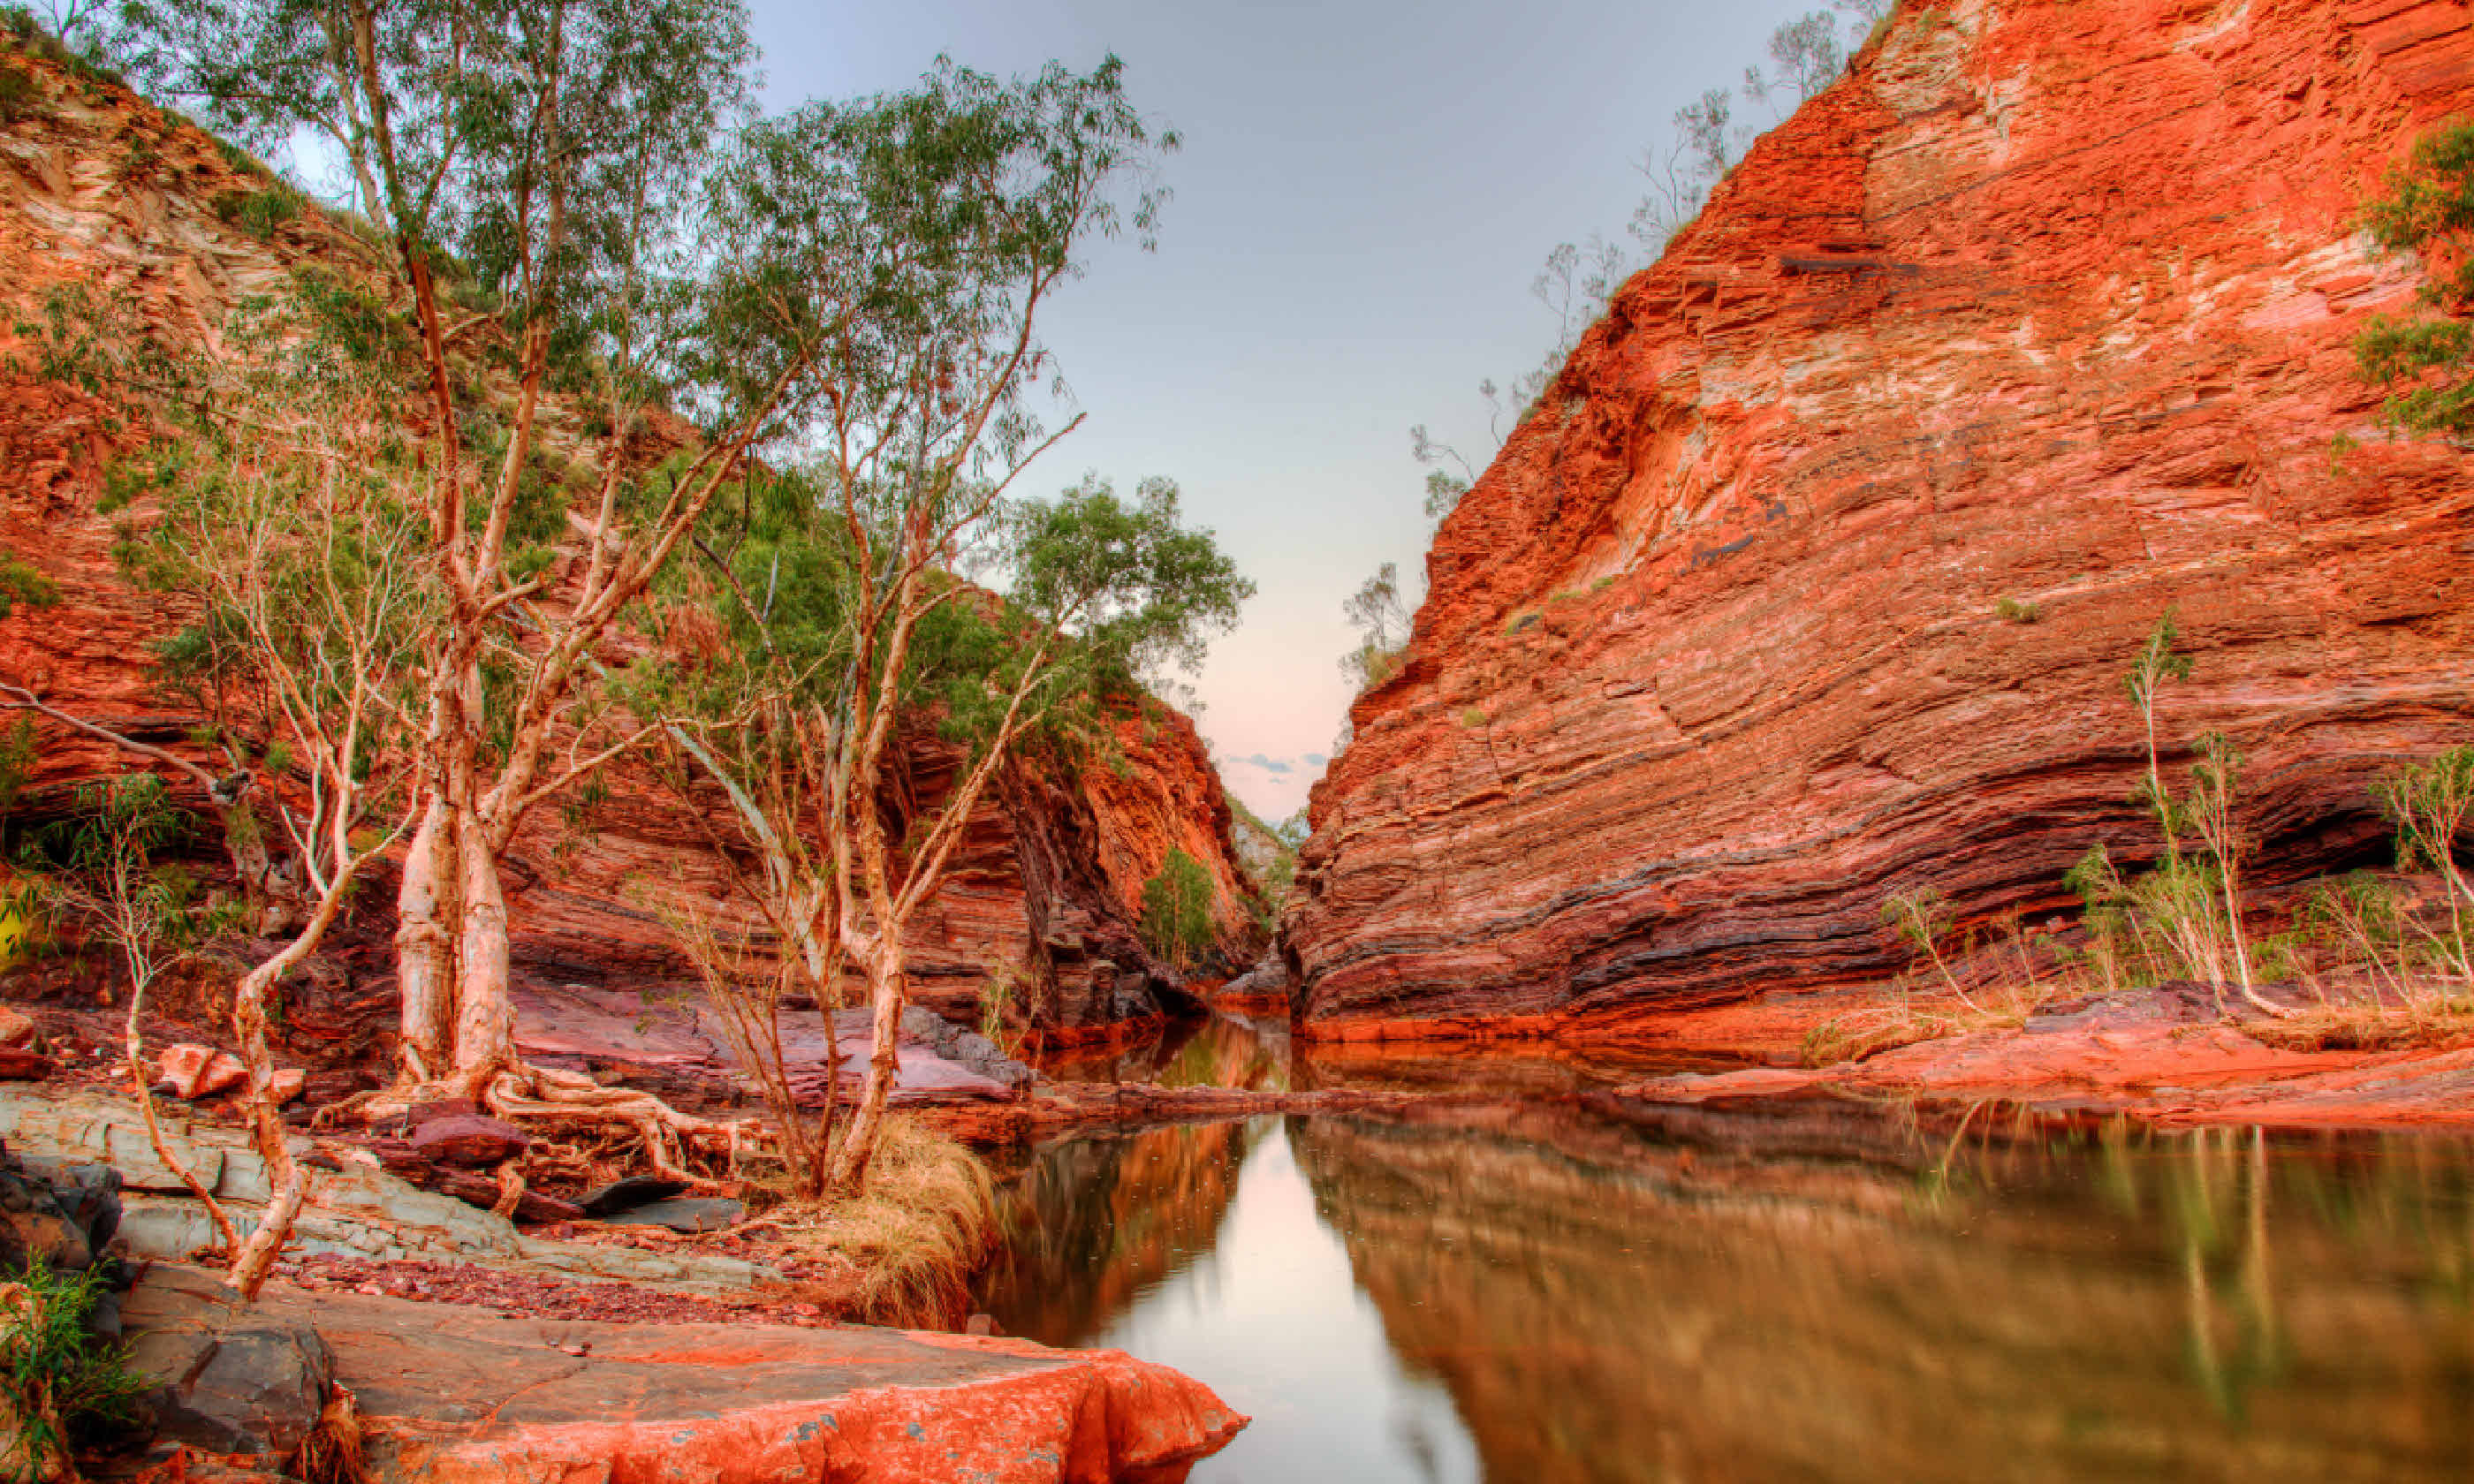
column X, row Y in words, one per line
column 2010, row 611
column 265, row 211
column 1522, row 623
column 59, row 1382
column 19, row 97
column 20, row 582
column 1473, row 717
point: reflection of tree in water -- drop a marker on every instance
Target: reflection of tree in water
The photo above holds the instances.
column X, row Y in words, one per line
column 1984, row 1298
column 1097, row 1220
column 1210, row 1051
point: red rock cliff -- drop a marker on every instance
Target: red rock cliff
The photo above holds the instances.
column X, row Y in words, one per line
column 98, row 188
column 2043, row 301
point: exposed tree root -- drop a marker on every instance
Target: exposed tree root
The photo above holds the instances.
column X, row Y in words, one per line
column 550, row 1094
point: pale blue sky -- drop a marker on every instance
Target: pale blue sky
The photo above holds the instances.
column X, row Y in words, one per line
column 1365, row 190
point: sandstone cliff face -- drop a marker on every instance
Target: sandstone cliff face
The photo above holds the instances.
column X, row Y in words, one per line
column 2043, row 301
column 98, row 188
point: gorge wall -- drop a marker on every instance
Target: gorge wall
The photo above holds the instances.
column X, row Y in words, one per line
column 99, row 189
column 2047, row 303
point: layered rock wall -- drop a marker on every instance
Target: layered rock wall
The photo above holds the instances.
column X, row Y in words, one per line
column 1814, row 575
column 101, row 190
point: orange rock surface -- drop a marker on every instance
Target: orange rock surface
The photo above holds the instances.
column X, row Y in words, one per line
column 453, row 1395
column 2046, row 303
column 99, row 189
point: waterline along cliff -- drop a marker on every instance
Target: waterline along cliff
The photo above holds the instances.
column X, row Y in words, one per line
column 1813, row 577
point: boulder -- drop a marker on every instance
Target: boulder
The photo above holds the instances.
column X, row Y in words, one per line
column 191, row 1072
column 472, row 1141
column 290, row 1083
column 255, row 1390
column 35, row 1228
column 420, row 1113
column 627, row 1194
column 681, row 1215
column 18, row 1064
column 17, row 1027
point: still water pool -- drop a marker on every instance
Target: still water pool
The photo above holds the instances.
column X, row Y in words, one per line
column 1809, row 1290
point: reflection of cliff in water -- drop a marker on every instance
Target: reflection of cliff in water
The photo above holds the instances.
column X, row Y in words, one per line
column 1096, row 1220
column 1845, row 1296
column 1208, row 1051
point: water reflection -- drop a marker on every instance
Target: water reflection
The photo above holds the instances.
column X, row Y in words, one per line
column 1217, row 1050
column 1818, row 1290
column 1224, row 1050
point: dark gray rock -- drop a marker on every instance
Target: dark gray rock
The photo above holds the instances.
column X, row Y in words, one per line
column 627, row 1194
column 989, row 1059
column 1270, row 975
column 256, row 1390
column 700, row 1214
column 925, row 1025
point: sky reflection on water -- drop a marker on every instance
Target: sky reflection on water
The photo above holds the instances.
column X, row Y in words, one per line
column 1811, row 1291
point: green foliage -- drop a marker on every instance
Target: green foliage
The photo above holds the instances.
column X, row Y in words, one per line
column 2429, row 801
column 1269, row 852
column 2010, row 611
column 1522, row 623
column 130, row 817
column 17, row 761
column 1176, row 910
column 2157, row 662
column 2427, row 206
column 59, row 1380
column 259, row 213
column 1473, row 717
column 1921, row 916
column 20, row 98
column 20, row 582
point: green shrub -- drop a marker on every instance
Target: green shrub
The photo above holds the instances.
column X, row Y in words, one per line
column 1474, row 716
column 1522, row 623
column 2427, row 207
column 19, row 97
column 64, row 1384
column 1176, row 910
column 2010, row 611
column 20, row 582
column 17, row 761
column 258, row 213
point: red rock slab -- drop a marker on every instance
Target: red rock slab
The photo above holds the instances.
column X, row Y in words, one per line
column 453, row 1396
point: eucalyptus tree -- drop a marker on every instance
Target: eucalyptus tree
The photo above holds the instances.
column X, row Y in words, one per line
column 285, row 512
column 916, row 239
column 537, row 166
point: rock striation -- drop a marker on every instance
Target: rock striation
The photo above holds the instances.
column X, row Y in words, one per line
column 99, row 189
column 1814, row 576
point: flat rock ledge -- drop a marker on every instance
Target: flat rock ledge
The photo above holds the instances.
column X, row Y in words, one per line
column 452, row 1395
column 354, row 1210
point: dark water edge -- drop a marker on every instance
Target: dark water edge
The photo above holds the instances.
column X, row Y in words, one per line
column 1811, row 1290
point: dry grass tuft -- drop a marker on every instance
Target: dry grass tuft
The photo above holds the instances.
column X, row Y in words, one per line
column 907, row 1243
column 1858, row 1034
column 2429, row 1013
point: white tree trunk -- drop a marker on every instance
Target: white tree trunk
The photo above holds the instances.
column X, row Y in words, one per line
column 485, row 1012
column 424, row 949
